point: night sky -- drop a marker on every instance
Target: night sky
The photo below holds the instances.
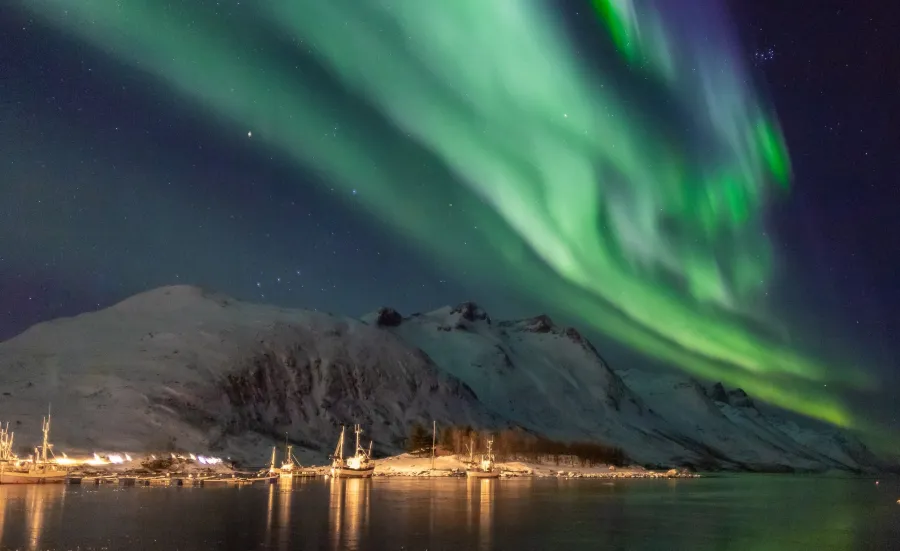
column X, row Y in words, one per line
column 203, row 143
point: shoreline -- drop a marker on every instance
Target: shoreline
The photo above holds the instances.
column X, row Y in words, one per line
column 405, row 465
column 409, row 465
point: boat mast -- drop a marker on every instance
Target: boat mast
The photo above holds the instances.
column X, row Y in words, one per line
column 272, row 463
column 358, row 448
column 287, row 450
column 6, row 443
column 339, row 450
column 46, row 444
column 433, row 438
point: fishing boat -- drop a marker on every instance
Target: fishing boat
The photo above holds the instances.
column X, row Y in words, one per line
column 287, row 468
column 358, row 466
column 485, row 468
column 290, row 466
column 39, row 470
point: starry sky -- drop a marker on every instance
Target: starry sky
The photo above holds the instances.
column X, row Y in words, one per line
column 710, row 188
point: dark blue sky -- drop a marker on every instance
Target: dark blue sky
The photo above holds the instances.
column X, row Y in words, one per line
column 834, row 79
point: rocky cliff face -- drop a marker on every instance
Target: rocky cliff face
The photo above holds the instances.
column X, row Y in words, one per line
column 313, row 382
column 177, row 368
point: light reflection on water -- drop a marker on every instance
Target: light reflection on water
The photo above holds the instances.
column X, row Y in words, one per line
column 34, row 510
column 761, row 512
column 348, row 512
column 485, row 504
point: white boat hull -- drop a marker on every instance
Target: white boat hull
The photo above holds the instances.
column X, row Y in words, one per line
column 346, row 472
column 50, row 477
column 483, row 474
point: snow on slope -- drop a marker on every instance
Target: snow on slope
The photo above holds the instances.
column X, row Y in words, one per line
column 728, row 425
column 542, row 377
column 552, row 380
column 178, row 368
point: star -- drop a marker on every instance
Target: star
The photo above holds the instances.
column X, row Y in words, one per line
column 763, row 56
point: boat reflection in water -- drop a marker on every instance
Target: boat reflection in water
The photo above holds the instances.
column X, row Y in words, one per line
column 481, row 490
column 278, row 514
column 285, row 486
column 34, row 513
column 348, row 516
column 25, row 512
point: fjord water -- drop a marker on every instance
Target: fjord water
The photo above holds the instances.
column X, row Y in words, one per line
column 753, row 512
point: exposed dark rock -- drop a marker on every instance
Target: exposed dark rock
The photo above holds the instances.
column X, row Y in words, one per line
column 471, row 312
column 294, row 391
column 539, row 324
column 388, row 317
column 718, row 394
column 739, row 398
column 578, row 338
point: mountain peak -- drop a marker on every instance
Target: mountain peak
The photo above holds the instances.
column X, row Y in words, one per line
column 736, row 397
column 539, row 324
column 387, row 317
column 717, row 393
column 739, row 398
column 170, row 297
column 470, row 311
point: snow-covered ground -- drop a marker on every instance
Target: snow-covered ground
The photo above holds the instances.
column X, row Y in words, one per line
column 179, row 369
column 451, row 465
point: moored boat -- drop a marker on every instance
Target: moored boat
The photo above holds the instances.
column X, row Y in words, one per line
column 33, row 476
column 290, row 467
column 39, row 470
column 358, row 466
column 486, row 467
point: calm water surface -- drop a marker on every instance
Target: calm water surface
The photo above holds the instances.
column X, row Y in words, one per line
column 743, row 512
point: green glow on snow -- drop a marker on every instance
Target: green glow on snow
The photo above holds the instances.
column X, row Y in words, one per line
column 582, row 197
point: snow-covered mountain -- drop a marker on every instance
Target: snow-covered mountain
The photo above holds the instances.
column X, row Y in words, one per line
column 178, row 368
column 551, row 380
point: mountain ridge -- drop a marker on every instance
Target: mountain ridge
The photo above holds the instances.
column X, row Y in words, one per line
column 181, row 367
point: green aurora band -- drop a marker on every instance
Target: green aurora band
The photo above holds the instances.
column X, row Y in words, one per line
column 647, row 226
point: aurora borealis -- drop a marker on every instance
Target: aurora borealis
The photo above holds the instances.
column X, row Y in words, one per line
column 618, row 170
